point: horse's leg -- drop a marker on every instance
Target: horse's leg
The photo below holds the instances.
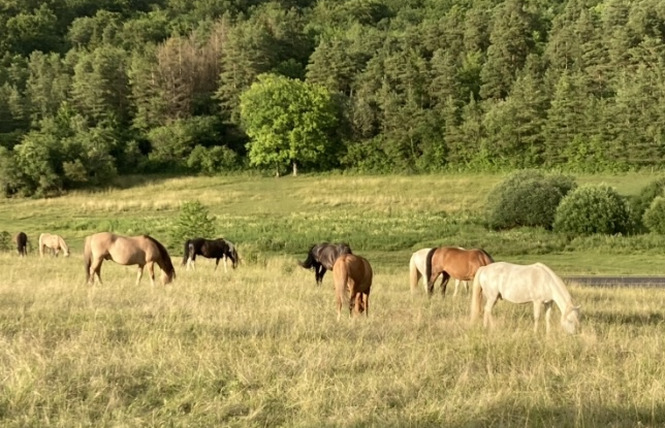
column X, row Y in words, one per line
column 430, row 282
column 216, row 264
column 548, row 315
column 151, row 271
column 444, row 283
column 139, row 274
column 225, row 270
column 95, row 270
column 366, row 303
column 537, row 308
column 457, row 281
column 487, row 319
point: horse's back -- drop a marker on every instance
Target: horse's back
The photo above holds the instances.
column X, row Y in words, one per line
column 518, row 283
column 354, row 268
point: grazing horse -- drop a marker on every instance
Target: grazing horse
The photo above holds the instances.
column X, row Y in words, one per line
column 322, row 256
column 453, row 262
column 54, row 242
column 523, row 284
column 417, row 270
column 142, row 250
column 21, row 241
column 210, row 248
column 352, row 276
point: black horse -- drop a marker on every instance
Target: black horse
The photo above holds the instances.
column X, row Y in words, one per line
column 21, row 240
column 322, row 256
column 211, row 248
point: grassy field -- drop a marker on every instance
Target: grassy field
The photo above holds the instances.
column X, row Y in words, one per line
column 260, row 346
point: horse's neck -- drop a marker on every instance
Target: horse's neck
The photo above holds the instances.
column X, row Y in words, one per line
column 560, row 293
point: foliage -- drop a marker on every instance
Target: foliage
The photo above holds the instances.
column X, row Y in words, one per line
column 289, row 122
column 641, row 202
column 593, row 209
column 526, row 198
column 193, row 221
column 654, row 216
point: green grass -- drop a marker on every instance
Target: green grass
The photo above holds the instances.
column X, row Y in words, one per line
column 260, row 346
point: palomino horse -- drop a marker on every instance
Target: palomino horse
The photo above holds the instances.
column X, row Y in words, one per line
column 54, row 242
column 523, row 284
column 322, row 256
column 453, row 262
column 352, row 276
column 140, row 250
column 210, row 248
column 21, row 241
column 417, row 270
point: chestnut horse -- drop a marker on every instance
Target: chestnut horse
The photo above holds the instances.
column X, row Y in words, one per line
column 21, row 241
column 54, row 242
column 352, row 276
column 417, row 271
column 534, row 283
column 453, row 262
column 142, row 250
column 322, row 256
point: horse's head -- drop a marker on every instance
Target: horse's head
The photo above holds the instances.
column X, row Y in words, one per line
column 570, row 321
column 233, row 255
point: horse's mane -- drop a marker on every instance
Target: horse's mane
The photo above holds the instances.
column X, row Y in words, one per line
column 164, row 255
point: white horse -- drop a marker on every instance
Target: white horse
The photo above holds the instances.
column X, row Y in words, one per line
column 417, row 271
column 54, row 242
column 523, row 284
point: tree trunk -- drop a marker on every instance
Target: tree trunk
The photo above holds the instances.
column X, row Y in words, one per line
column 295, row 168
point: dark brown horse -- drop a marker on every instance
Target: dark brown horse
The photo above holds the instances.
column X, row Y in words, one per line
column 352, row 276
column 453, row 262
column 322, row 256
column 140, row 250
column 212, row 249
column 21, row 241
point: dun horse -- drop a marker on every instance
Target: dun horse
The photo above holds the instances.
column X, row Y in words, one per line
column 322, row 256
column 21, row 241
column 212, row 249
column 53, row 242
column 453, row 262
column 352, row 276
column 417, row 271
column 523, row 284
column 140, row 250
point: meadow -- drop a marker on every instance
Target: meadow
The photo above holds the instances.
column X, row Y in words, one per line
column 260, row 345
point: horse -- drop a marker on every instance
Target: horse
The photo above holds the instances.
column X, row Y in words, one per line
column 417, row 270
column 523, row 284
column 21, row 241
column 142, row 250
column 54, row 242
column 210, row 248
column 322, row 257
column 453, row 262
column 352, row 276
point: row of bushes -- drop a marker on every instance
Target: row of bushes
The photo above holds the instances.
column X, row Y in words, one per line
column 555, row 202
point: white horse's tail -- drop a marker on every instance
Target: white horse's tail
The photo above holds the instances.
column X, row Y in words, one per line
column 340, row 279
column 41, row 245
column 476, row 297
column 414, row 274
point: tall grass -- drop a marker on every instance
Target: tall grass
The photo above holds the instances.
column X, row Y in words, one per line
column 260, row 346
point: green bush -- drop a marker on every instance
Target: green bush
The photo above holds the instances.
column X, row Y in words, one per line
column 526, row 198
column 593, row 209
column 654, row 216
column 193, row 222
column 640, row 203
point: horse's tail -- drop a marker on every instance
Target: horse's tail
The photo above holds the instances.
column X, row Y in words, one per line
column 167, row 264
column 340, row 279
column 413, row 274
column 87, row 258
column 310, row 260
column 428, row 269
column 41, row 244
column 186, row 253
column 476, row 296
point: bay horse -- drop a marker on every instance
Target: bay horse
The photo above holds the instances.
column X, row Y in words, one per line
column 352, row 276
column 534, row 283
column 455, row 262
column 142, row 250
column 21, row 241
column 54, row 242
column 212, row 249
column 417, row 271
column 321, row 257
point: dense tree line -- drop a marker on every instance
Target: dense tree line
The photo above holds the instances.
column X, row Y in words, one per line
column 94, row 88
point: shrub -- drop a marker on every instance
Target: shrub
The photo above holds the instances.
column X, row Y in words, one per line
column 640, row 203
column 193, row 221
column 526, row 198
column 593, row 209
column 654, row 216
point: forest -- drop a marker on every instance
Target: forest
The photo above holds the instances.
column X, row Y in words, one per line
column 93, row 89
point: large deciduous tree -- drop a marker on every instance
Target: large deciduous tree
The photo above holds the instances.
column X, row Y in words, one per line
column 289, row 121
